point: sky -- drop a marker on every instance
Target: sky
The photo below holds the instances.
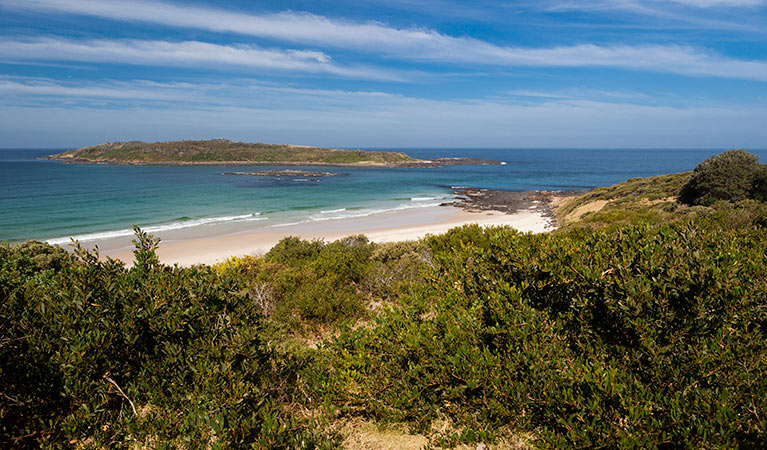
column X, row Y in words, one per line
column 386, row 73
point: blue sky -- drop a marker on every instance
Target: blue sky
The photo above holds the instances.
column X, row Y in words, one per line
column 386, row 73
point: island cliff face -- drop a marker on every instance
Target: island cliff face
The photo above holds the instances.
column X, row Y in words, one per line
column 225, row 152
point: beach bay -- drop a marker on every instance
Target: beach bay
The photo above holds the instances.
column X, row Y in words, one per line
column 203, row 215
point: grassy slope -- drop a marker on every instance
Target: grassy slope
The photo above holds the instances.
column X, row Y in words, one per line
column 220, row 150
column 652, row 197
column 651, row 200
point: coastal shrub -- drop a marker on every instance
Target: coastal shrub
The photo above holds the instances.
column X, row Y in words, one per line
column 311, row 284
column 237, row 265
column 293, row 250
column 728, row 176
column 94, row 355
column 316, row 283
column 637, row 336
column 394, row 268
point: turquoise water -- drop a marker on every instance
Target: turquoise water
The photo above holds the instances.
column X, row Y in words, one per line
column 50, row 200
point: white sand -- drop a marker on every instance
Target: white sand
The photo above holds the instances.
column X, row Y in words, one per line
column 384, row 227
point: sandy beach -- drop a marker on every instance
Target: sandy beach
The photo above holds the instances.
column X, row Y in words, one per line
column 188, row 249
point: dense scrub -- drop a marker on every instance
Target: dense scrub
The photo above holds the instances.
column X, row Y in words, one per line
column 644, row 336
column 93, row 355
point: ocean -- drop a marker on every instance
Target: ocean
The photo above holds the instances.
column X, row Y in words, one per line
column 53, row 201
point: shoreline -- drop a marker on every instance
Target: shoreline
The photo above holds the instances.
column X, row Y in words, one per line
column 185, row 250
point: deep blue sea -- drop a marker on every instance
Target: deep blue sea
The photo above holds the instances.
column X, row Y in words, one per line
column 50, row 200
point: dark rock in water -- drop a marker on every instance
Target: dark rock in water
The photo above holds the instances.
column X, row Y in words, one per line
column 288, row 173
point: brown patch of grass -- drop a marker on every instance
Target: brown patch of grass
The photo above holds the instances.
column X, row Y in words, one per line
column 581, row 210
column 363, row 434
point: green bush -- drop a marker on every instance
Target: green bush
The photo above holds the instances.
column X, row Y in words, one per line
column 292, row 250
column 314, row 283
column 728, row 176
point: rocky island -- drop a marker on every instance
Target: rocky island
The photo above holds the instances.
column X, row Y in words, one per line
column 225, row 152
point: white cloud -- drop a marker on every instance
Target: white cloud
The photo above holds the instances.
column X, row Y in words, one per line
column 669, row 59
column 186, row 53
column 423, row 45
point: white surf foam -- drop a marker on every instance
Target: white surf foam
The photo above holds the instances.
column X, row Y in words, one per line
column 357, row 213
column 157, row 228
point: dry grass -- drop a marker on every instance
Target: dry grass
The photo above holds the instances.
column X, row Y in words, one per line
column 581, row 210
column 359, row 434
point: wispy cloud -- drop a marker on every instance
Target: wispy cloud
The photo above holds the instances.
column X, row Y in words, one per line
column 681, row 60
column 674, row 59
column 578, row 93
column 424, row 45
column 186, row 53
column 128, row 94
column 27, row 90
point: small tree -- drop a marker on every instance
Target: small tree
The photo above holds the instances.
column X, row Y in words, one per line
column 727, row 176
column 145, row 252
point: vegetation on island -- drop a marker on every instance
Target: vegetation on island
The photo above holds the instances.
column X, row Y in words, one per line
column 639, row 323
column 222, row 151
